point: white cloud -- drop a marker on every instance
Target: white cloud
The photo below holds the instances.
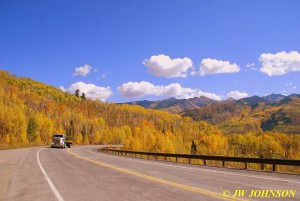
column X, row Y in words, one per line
column 198, row 93
column 138, row 89
column 194, row 73
column 237, row 95
column 280, row 63
column 164, row 66
column 251, row 66
column 291, row 85
column 213, row 66
column 62, row 88
column 82, row 70
column 91, row 91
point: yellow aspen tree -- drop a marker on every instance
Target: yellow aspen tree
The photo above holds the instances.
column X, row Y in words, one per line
column 86, row 140
column 37, row 140
column 97, row 137
column 169, row 146
column 6, row 139
column 21, row 127
column 78, row 139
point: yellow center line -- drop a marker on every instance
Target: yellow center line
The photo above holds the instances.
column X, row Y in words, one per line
column 193, row 189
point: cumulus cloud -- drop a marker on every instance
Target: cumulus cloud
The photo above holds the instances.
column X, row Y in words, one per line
column 237, row 95
column 163, row 66
column 213, row 66
column 280, row 63
column 62, row 88
column 82, row 70
column 138, row 89
column 91, row 91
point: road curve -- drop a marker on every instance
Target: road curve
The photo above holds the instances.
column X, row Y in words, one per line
column 83, row 173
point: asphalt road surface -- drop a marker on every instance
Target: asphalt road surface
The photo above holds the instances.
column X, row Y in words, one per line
column 84, row 174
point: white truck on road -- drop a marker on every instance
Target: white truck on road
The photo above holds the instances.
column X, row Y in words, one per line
column 58, row 141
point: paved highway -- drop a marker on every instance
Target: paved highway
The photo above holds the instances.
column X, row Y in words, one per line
column 84, row 174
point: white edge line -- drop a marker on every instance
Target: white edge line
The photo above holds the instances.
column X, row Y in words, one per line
column 55, row 191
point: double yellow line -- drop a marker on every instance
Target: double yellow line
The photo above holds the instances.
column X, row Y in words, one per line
column 193, row 189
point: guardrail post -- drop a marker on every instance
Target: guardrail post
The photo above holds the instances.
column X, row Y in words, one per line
column 204, row 162
column 176, row 159
column 189, row 160
column 274, row 167
column 223, row 163
column 246, row 165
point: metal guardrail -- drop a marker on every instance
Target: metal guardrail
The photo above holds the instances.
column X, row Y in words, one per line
column 205, row 158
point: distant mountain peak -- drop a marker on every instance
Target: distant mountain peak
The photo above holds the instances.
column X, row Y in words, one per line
column 230, row 100
column 273, row 98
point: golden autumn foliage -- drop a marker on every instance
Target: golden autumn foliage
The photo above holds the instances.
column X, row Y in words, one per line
column 31, row 112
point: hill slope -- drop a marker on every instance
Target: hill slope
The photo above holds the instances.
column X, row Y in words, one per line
column 281, row 115
column 30, row 112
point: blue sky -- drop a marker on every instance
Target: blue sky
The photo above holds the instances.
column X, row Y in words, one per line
column 126, row 50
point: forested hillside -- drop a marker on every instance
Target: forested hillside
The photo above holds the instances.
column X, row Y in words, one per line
column 31, row 112
column 248, row 116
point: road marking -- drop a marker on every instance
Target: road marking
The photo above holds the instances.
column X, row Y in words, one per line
column 194, row 189
column 55, row 191
column 212, row 171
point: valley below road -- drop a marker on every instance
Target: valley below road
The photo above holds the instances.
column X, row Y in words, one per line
column 83, row 173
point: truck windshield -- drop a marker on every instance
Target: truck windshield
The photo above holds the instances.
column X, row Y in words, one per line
column 58, row 136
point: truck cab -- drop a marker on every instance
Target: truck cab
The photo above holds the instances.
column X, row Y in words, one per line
column 58, row 141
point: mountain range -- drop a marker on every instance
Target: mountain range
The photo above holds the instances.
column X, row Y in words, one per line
column 175, row 105
column 274, row 112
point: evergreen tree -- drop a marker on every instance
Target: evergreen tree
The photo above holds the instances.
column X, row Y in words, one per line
column 193, row 147
column 77, row 93
column 32, row 130
column 83, row 96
